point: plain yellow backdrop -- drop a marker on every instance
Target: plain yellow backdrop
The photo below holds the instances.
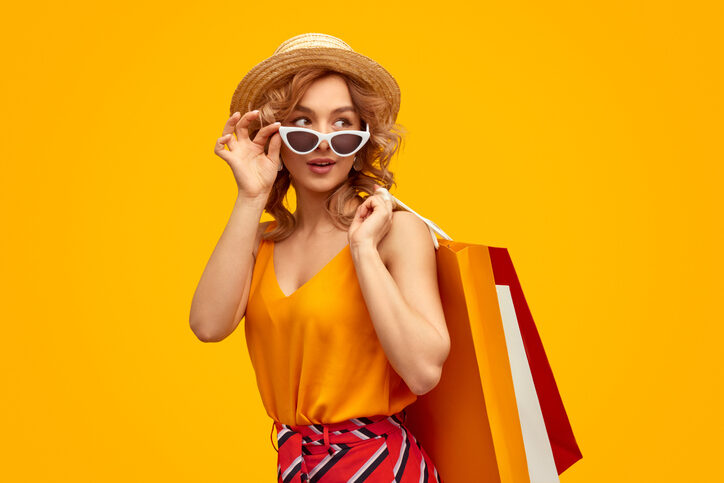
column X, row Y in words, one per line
column 586, row 137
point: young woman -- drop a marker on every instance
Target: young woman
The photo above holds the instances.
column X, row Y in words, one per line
column 343, row 318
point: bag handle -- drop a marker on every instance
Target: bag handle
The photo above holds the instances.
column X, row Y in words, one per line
column 432, row 226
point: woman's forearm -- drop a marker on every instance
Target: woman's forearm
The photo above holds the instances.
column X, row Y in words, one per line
column 413, row 346
column 223, row 288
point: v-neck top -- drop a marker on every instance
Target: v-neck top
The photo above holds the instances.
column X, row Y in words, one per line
column 315, row 352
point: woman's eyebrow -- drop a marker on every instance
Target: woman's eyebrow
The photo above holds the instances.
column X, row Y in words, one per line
column 339, row 109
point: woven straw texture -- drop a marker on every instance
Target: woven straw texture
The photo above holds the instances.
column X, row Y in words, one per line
column 313, row 49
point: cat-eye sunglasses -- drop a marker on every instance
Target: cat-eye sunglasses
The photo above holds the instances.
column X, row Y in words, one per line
column 302, row 140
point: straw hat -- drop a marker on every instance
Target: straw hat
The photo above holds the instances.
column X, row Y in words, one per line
column 313, row 49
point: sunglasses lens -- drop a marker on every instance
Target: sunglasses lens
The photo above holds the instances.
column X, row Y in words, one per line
column 346, row 143
column 302, row 141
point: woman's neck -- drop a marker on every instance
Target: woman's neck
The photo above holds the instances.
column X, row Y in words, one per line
column 312, row 219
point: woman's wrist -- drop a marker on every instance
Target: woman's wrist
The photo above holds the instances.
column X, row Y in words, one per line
column 362, row 250
column 257, row 201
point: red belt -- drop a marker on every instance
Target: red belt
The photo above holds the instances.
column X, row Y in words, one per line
column 296, row 440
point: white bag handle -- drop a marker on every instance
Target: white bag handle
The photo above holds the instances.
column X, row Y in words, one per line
column 432, row 226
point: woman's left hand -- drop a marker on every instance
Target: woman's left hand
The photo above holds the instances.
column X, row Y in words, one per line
column 372, row 220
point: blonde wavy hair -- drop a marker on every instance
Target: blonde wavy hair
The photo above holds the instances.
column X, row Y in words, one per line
column 386, row 139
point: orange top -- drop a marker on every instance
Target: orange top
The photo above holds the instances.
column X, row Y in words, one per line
column 315, row 353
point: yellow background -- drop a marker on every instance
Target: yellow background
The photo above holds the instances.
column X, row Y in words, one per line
column 586, row 138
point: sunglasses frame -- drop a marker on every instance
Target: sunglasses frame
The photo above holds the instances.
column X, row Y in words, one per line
column 365, row 135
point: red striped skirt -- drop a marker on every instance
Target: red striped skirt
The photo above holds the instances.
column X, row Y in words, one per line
column 373, row 449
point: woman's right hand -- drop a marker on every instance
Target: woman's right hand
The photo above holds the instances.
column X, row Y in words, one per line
column 254, row 170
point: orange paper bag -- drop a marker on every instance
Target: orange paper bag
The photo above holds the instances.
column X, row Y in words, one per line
column 483, row 421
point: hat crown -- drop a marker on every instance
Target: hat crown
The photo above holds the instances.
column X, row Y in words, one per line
column 314, row 50
column 312, row 41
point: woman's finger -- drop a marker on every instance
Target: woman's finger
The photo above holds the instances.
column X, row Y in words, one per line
column 382, row 194
column 230, row 123
column 376, row 205
column 230, row 141
column 274, row 146
column 219, row 147
column 366, row 208
column 264, row 133
column 390, row 203
column 385, row 197
column 228, row 130
column 359, row 214
column 241, row 127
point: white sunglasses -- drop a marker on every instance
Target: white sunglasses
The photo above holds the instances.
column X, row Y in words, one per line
column 343, row 143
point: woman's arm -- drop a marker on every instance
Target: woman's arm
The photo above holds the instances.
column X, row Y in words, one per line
column 220, row 299
column 404, row 301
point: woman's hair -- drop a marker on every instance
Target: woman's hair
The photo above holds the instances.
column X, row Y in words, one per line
column 386, row 138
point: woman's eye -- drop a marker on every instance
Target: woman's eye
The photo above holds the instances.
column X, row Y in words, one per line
column 344, row 122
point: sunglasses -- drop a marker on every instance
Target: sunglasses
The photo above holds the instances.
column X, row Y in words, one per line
column 344, row 143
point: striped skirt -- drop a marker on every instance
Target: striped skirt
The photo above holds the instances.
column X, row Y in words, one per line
column 372, row 449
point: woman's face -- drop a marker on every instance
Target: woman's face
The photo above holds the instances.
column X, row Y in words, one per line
column 325, row 107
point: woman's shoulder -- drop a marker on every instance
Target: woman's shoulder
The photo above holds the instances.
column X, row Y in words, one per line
column 406, row 232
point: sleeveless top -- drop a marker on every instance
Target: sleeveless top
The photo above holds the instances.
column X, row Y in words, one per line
column 315, row 353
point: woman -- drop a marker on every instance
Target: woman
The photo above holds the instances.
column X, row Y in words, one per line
column 344, row 323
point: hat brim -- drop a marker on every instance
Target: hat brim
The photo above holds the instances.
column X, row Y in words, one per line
column 278, row 67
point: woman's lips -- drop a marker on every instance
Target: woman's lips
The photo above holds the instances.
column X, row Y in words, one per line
column 321, row 161
column 313, row 165
column 320, row 169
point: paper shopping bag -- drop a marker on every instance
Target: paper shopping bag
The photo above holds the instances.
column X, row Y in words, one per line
column 484, row 422
column 563, row 442
column 469, row 424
